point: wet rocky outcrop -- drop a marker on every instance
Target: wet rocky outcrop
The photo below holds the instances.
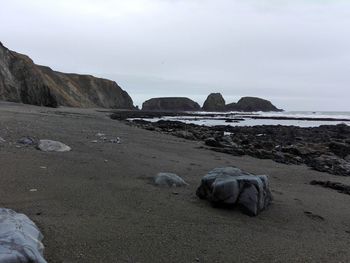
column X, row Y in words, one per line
column 170, row 104
column 324, row 148
column 214, row 102
column 23, row 81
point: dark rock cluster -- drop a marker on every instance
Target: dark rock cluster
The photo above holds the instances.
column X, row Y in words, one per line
column 324, row 148
column 341, row 188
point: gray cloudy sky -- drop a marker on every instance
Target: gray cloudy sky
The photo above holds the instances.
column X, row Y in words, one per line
column 294, row 52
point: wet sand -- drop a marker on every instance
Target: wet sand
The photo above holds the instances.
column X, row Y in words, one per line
column 96, row 203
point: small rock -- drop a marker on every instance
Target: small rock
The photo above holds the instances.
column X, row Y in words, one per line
column 169, row 179
column 2, row 140
column 26, row 141
column 52, row 146
column 33, row 190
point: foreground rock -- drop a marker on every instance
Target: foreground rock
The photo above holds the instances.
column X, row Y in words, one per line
column 170, row 104
column 52, row 146
column 230, row 186
column 23, row 81
column 20, row 238
column 169, row 180
column 214, row 102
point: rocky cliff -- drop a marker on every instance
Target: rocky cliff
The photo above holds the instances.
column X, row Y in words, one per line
column 214, row 102
column 170, row 104
column 23, row 81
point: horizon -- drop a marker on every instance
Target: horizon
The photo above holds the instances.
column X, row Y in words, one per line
column 293, row 53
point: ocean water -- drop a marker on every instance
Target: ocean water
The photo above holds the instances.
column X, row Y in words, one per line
column 216, row 118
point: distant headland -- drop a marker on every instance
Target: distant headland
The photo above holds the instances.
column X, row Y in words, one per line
column 23, row 81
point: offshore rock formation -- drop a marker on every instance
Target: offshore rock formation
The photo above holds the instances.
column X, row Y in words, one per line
column 251, row 104
column 214, row 102
column 23, row 81
column 170, row 104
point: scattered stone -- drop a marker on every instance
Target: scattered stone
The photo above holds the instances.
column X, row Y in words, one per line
column 26, row 141
column 33, row 190
column 20, row 238
column 94, row 141
column 341, row 188
column 169, row 180
column 2, row 140
column 229, row 186
column 52, row 146
column 116, row 140
column 314, row 216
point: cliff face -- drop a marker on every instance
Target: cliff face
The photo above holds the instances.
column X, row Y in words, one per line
column 170, row 104
column 214, row 102
column 23, row 81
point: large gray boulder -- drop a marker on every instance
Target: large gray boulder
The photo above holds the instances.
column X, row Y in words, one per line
column 214, row 102
column 231, row 186
column 20, row 238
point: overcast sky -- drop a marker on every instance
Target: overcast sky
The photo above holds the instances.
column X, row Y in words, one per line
column 295, row 53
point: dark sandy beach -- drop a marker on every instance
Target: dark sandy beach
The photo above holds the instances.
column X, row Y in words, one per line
column 96, row 203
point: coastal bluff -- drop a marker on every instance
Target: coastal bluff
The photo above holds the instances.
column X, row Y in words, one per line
column 170, row 104
column 23, row 81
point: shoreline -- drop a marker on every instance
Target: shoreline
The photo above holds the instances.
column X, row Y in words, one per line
column 95, row 203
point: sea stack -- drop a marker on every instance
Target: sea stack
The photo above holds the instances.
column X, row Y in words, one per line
column 252, row 104
column 214, row 102
column 170, row 104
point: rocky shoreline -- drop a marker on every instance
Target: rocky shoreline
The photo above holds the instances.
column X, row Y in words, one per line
column 325, row 148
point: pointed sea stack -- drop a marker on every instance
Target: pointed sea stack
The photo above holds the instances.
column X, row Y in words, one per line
column 214, row 102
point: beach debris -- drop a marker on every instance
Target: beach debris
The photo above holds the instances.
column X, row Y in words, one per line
column 52, row 146
column 169, row 180
column 26, row 141
column 20, row 238
column 229, row 186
